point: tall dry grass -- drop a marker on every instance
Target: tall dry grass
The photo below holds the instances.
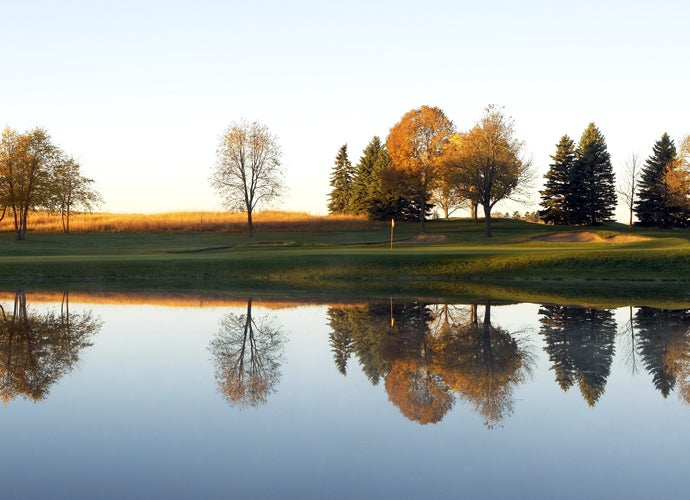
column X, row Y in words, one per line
column 189, row 300
column 191, row 222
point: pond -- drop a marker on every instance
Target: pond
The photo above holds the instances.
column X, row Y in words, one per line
column 119, row 396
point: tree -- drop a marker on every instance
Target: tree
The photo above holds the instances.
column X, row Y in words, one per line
column 367, row 187
column 416, row 145
column 446, row 195
column 69, row 191
column 555, row 195
column 592, row 181
column 247, row 353
column 25, row 164
column 489, row 164
column 628, row 187
column 247, row 171
column 341, row 182
column 664, row 194
column 652, row 206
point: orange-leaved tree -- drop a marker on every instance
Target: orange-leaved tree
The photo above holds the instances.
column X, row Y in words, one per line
column 416, row 145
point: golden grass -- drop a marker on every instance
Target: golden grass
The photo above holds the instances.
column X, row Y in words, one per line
column 191, row 222
column 171, row 300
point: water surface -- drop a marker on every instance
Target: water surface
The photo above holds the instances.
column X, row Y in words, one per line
column 383, row 399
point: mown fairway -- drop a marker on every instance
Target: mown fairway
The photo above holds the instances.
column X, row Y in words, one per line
column 452, row 258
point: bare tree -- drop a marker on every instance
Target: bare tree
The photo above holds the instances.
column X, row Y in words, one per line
column 247, row 170
column 628, row 185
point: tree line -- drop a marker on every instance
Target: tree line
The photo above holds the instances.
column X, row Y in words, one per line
column 426, row 162
column 36, row 174
column 580, row 186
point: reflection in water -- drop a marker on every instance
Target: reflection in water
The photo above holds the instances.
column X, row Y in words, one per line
column 664, row 348
column 428, row 355
column 247, row 353
column 483, row 363
column 580, row 344
column 36, row 350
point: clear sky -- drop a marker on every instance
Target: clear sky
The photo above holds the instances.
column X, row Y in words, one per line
column 140, row 91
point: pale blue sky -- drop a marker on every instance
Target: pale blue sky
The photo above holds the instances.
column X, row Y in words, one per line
column 140, row 91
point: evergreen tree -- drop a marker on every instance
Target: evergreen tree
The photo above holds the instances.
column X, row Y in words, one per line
column 341, row 182
column 658, row 202
column 379, row 191
column 367, row 177
column 555, row 194
column 592, row 181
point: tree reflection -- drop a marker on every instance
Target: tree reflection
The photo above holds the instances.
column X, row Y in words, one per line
column 427, row 354
column 247, row 353
column 36, row 350
column 664, row 348
column 580, row 344
column 420, row 394
column 483, row 363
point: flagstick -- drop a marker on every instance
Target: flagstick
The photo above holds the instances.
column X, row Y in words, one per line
column 392, row 226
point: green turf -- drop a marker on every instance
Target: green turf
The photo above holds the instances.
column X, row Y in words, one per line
column 361, row 262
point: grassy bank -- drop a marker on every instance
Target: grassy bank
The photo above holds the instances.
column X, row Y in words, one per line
column 453, row 259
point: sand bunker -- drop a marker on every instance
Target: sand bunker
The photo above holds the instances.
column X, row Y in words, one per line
column 587, row 237
column 426, row 238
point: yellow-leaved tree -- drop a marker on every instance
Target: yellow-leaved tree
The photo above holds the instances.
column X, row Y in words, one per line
column 488, row 162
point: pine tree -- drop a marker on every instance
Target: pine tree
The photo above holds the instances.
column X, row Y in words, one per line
column 654, row 206
column 366, row 178
column 341, row 182
column 592, row 182
column 555, row 194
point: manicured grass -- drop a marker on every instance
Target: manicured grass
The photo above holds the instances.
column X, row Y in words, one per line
column 446, row 261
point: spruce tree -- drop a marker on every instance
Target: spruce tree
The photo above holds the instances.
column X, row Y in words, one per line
column 365, row 177
column 555, row 194
column 654, row 205
column 592, row 181
column 341, row 182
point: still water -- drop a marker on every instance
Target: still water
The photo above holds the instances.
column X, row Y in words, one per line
column 112, row 397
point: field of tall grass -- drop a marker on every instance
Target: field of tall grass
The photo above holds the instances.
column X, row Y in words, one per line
column 191, row 222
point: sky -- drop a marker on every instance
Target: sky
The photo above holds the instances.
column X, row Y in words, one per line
column 141, row 91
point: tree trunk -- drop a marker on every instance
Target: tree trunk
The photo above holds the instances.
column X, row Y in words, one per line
column 487, row 219
column 473, row 211
column 422, row 218
column 631, row 217
column 250, row 223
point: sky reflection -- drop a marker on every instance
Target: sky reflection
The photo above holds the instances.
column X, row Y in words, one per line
column 140, row 413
